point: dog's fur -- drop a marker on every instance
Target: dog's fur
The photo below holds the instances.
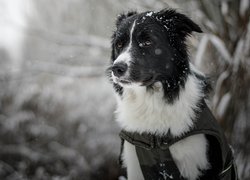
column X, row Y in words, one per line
column 158, row 90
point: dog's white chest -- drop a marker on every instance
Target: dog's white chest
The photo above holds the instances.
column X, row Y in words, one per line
column 189, row 155
column 141, row 111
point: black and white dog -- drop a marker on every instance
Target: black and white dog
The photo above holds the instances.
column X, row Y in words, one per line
column 158, row 90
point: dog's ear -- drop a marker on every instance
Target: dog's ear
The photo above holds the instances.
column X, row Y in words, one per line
column 123, row 16
column 177, row 22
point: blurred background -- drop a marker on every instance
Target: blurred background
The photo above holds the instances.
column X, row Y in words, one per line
column 56, row 105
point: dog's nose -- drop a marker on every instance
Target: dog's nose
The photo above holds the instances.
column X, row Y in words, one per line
column 119, row 69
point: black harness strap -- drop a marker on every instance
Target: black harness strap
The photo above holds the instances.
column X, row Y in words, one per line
column 156, row 160
column 160, row 167
column 121, row 152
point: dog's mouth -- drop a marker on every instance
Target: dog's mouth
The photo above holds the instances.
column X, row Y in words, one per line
column 141, row 81
column 123, row 81
column 146, row 82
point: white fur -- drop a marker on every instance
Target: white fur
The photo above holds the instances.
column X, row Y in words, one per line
column 190, row 155
column 130, row 161
column 140, row 111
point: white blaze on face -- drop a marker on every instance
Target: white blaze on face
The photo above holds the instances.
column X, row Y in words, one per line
column 125, row 56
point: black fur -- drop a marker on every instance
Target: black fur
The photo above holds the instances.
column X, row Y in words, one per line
column 165, row 60
column 167, row 30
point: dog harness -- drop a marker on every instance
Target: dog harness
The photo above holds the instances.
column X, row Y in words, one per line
column 156, row 161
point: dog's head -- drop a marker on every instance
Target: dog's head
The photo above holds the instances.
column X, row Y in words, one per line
column 150, row 47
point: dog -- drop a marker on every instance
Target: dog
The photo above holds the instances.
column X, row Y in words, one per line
column 160, row 95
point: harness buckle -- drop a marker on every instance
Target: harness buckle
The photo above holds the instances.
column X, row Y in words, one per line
column 226, row 169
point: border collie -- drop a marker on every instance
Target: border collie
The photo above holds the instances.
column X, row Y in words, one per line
column 158, row 90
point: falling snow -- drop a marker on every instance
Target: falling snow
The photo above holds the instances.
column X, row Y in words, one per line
column 51, row 79
column 158, row 51
column 166, row 27
column 149, row 14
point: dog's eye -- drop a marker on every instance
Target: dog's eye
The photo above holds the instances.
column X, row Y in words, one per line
column 145, row 43
column 119, row 45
